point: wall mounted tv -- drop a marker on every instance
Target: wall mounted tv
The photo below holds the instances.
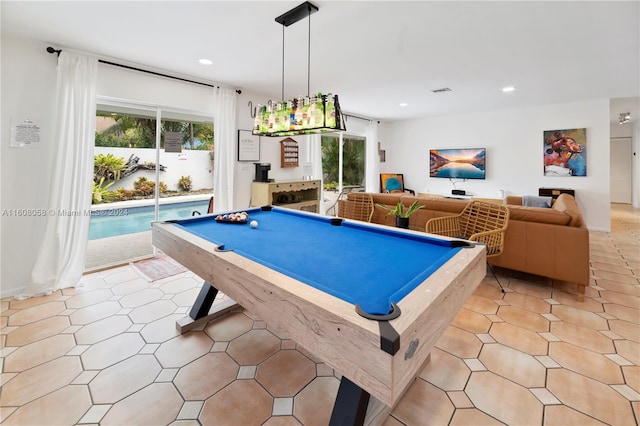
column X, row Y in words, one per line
column 468, row 163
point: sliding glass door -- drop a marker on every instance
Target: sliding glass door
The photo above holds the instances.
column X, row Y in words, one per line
column 149, row 164
column 343, row 166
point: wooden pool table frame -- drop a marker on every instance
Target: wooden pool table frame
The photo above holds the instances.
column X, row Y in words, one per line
column 329, row 327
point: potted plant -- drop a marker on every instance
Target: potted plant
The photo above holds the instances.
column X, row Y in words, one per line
column 401, row 213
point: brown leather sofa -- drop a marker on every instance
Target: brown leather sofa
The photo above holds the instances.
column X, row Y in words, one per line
column 549, row 242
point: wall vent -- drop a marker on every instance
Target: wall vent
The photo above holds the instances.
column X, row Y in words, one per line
column 444, row 89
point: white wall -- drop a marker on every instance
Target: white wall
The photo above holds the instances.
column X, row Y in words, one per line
column 513, row 139
column 121, row 83
column 28, row 87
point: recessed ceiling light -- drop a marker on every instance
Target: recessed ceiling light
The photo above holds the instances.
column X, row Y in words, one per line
column 508, row 89
column 404, row 104
column 205, row 61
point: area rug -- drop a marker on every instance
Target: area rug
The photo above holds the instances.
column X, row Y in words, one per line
column 159, row 267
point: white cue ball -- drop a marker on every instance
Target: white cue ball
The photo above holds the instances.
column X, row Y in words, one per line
column 254, row 224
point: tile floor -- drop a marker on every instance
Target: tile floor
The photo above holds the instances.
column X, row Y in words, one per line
column 107, row 353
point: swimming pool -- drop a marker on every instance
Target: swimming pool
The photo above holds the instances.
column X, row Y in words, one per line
column 130, row 220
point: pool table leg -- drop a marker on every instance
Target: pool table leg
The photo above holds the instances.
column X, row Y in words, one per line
column 351, row 404
column 201, row 311
column 204, row 301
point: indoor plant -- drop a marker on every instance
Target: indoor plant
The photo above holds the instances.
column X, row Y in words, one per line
column 401, row 213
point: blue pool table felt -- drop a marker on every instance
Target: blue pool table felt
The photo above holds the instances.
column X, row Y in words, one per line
column 360, row 264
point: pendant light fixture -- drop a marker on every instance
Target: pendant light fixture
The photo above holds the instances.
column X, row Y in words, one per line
column 310, row 114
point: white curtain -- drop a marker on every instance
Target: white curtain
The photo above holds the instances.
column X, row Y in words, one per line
column 224, row 138
column 61, row 256
column 315, row 158
column 372, row 164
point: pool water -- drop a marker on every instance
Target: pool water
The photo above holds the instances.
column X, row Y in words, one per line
column 131, row 220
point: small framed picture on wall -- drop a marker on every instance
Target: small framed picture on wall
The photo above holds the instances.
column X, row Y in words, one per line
column 248, row 146
column 565, row 152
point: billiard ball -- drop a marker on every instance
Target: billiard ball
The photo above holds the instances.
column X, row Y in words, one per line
column 254, row 224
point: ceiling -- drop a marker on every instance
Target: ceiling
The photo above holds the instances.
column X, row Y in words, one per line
column 374, row 54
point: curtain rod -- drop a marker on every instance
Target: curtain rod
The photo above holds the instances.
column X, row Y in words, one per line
column 58, row 51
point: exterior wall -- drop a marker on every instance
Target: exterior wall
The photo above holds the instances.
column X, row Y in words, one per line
column 196, row 164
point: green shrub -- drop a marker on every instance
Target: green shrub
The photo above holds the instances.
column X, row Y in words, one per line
column 108, row 167
column 185, row 183
column 100, row 193
column 121, row 194
column 144, row 186
column 330, row 186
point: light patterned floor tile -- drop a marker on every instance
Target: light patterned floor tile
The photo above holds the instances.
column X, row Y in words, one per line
column 124, row 378
column 585, row 362
column 62, row 406
column 193, row 385
column 561, row 415
column 545, row 396
column 95, row 414
column 190, row 410
column 38, row 353
column 548, row 362
column 137, row 409
column 301, row 372
column 412, row 409
column 85, row 377
column 475, row 364
column 524, row 407
column 627, row 392
column 590, row 397
column 282, row 407
column 460, row 399
column 167, row 375
column 244, row 402
column 315, row 402
column 39, row 381
column 498, row 344
column 618, row 359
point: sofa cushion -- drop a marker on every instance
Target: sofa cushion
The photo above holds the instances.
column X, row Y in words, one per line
column 518, row 200
column 566, row 204
column 447, row 205
column 536, row 201
column 513, row 200
column 437, row 204
column 538, row 214
column 389, row 199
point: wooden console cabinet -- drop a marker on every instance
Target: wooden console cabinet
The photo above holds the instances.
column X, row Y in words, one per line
column 555, row 192
column 300, row 195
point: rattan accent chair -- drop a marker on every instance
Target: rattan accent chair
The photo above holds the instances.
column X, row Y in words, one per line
column 481, row 222
column 209, row 209
column 359, row 206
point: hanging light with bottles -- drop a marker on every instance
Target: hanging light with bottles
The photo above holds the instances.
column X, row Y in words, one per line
column 310, row 114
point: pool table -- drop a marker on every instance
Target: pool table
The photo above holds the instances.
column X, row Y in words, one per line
column 369, row 300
